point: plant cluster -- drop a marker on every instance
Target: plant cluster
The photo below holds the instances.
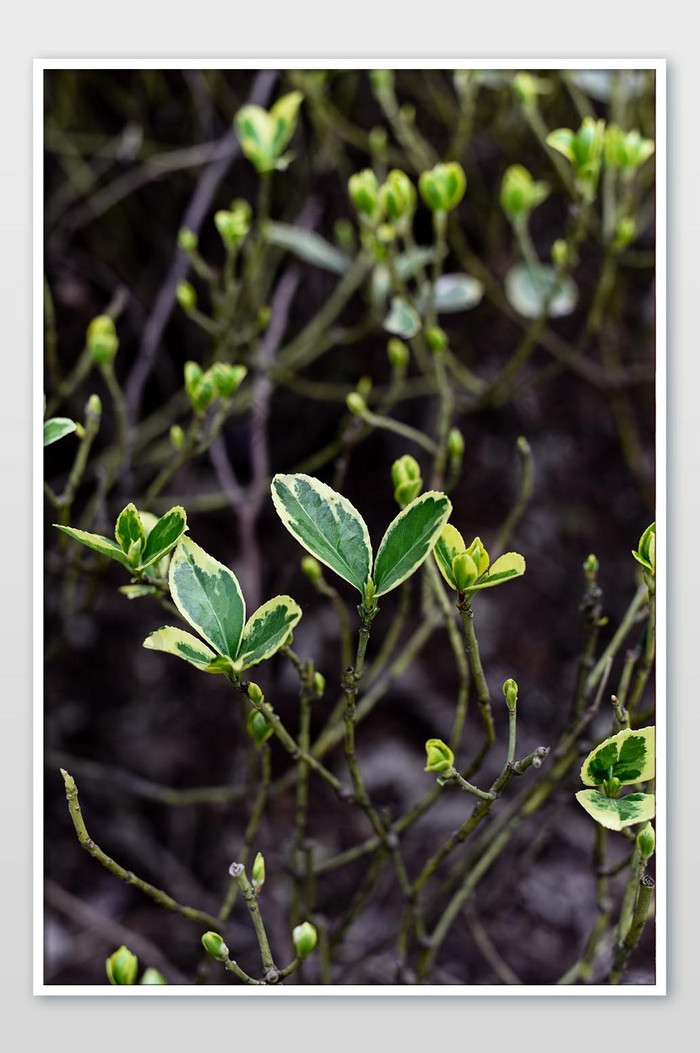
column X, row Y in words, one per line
column 247, row 446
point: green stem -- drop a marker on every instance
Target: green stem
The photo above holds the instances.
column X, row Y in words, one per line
column 482, row 689
column 157, row 895
column 237, row 871
column 634, row 933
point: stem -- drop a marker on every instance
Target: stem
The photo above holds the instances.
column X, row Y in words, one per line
column 634, row 933
column 156, row 894
column 237, row 871
column 482, row 689
column 525, row 492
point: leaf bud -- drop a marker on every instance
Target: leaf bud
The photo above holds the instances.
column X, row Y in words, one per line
column 464, row 571
column 304, row 938
column 177, row 437
column 232, row 226
column 364, row 193
column 611, row 786
column 381, row 80
column 646, row 550
column 398, row 197
column 406, row 479
column 227, row 378
column 378, row 139
column 186, row 296
column 152, row 976
column 455, row 444
column 646, row 841
column 520, row 193
column 319, row 684
column 214, row 945
column 590, row 567
column 560, row 253
column 93, row 407
column 257, row 873
column 101, row 339
column 122, row 966
column 312, row 569
column 436, row 339
column 439, row 756
column 442, row 188
column 364, row 386
column 480, row 556
column 510, row 691
column 398, row 354
column 356, row 404
column 257, row 727
column 255, row 694
column 187, row 240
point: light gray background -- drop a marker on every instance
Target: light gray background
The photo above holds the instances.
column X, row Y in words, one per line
column 589, row 29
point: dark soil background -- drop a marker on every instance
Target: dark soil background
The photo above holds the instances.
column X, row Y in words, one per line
column 122, row 719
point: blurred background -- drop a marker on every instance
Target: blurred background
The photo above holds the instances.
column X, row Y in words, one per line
column 131, row 157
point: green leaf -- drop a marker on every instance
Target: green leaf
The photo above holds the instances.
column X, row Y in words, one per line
column 402, row 320
column 562, row 140
column 56, row 428
column 615, row 813
column 129, row 529
column 326, row 524
column 267, row 630
column 185, row 645
column 627, row 756
column 449, row 544
column 164, row 536
column 529, row 293
column 409, row 539
column 509, row 565
column 104, row 545
column 454, row 292
column 208, row 596
column 307, row 246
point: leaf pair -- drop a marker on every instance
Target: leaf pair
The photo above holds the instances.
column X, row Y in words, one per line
column 620, row 760
column 331, row 529
column 208, row 596
column 263, row 134
column 469, row 569
column 141, row 539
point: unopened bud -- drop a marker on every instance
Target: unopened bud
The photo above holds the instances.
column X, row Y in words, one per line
column 611, row 786
column 257, row 727
column 214, row 945
column 381, row 79
column 101, row 339
column 319, row 684
column 186, row 296
column 625, row 233
column 646, row 841
column 480, row 556
column 122, row 966
column 378, row 139
column 439, row 756
column 436, row 339
column 257, row 873
column 152, row 976
column 312, row 569
column 560, row 253
column 406, row 478
column 398, row 354
column 455, row 444
column 464, row 571
column 227, row 378
column 304, row 938
column 356, row 404
column 364, row 193
column 177, row 437
column 510, row 690
column 364, row 386
column 443, row 187
column 187, row 240
column 590, row 567
column 93, row 407
column 255, row 694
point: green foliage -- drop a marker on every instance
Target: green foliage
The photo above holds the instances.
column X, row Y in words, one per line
column 540, row 290
column 645, row 552
column 333, row 531
column 264, row 134
column 134, row 548
column 57, row 428
column 308, row 246
column 617, row 813
column 627, row 756
column 443, row 187
column 406, row 479
column 209, row 598
column 304, row 938
column 214, row 945
column 468, row 575
column 122, row 966
column 101, row 340
column 520, row 193
column 584, row 151
column 439, row 757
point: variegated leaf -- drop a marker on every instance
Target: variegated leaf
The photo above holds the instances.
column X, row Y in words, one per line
column 509, row 565
column 56, row 428
column 409, row 539
column 326, row 524
column 615, row 813
column 627, row 756
column 164, row 536
column 208, row 596
column 129, row 529
column 267, row 630
column 104, row 545
column 185, row 645
column 449, row 544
